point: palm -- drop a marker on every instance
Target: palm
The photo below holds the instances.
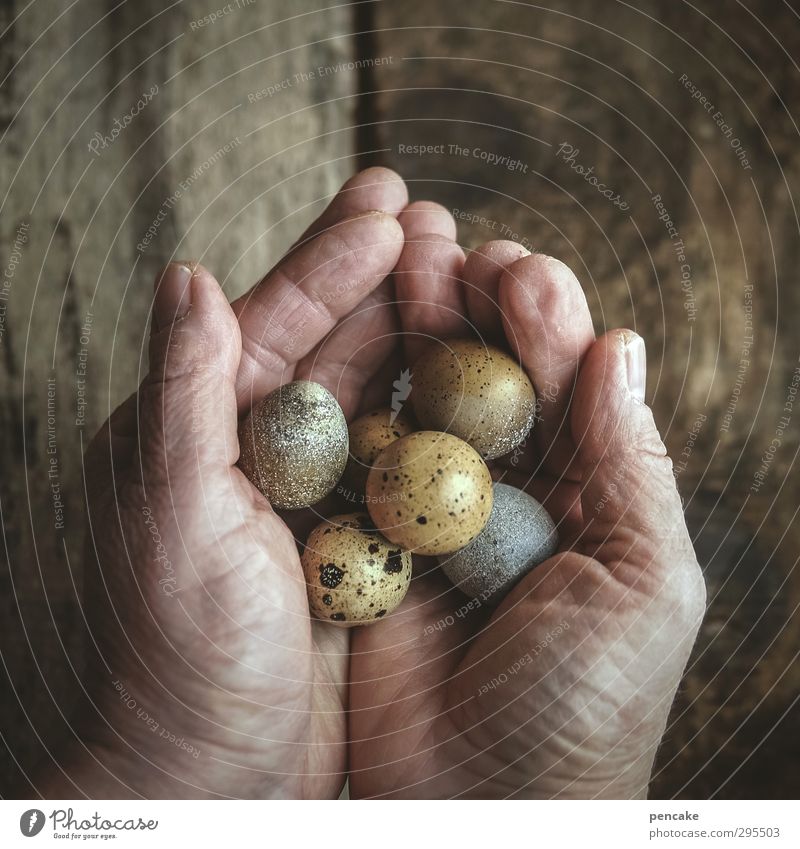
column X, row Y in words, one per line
column 453, row 712
column 227, row 611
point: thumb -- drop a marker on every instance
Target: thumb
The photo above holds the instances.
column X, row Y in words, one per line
column 188, row 403
column 632, row 511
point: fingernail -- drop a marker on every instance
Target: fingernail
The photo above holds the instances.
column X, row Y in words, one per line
column 367, row 213
column 173, row 297
column 636, row 363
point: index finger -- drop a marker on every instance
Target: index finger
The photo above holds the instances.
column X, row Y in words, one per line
column 285, row 315
column 371, row 189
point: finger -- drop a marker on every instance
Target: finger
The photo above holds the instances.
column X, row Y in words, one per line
column 482, row 272
column 631, row 508
column 547, row 322
column 301, row 300
column 371, row 189
column 424, row 216
column 187, row 421
column 348, row 359
column 430, row 293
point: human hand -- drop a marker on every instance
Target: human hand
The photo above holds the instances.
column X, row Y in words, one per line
column 236, row 667
column 209, row 677
column 564, row 690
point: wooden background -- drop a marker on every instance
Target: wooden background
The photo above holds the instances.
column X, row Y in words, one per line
column 507, row 78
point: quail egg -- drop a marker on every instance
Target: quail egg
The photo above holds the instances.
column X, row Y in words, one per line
column 476, row 392
column 354, row 575
column 369, row 435
column 294, row 444
column 519, row 535
column 429, row 492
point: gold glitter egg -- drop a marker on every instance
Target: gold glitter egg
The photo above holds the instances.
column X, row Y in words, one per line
column 354, row 575
column 293, row 444
column 429, row 492
column 369, row 435
column 476, row 392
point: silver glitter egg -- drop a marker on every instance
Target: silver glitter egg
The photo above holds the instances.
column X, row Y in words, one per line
column 294, row 444
column 519, row 535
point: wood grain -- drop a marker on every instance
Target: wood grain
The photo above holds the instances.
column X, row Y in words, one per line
column 508, row 79
column 609, row 80
column 226, row 160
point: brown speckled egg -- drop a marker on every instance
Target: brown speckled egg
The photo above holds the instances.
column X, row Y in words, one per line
column 293, row 444
column 430, row 492
column 476, row 392
column 369, row 435
column 354, row 575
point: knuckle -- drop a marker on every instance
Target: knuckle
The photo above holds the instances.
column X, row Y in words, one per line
column 686, row 592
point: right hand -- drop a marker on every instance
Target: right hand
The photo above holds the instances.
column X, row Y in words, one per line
column 564, row 690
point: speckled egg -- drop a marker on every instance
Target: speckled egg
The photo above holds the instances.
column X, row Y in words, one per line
column 429, row 492
column 518, row 536
column 293, row 444
column 369, row 435
column 476, row 392
column 354, row 575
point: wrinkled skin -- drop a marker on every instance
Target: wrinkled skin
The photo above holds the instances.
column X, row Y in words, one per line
column 195, row 595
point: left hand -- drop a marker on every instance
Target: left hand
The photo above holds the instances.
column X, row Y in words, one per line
column 209, row 676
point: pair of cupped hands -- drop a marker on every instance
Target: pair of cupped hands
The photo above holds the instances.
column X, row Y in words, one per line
column 208, row 677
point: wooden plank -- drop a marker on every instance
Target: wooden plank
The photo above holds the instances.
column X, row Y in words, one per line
column 119, row 118
column 516, row 98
